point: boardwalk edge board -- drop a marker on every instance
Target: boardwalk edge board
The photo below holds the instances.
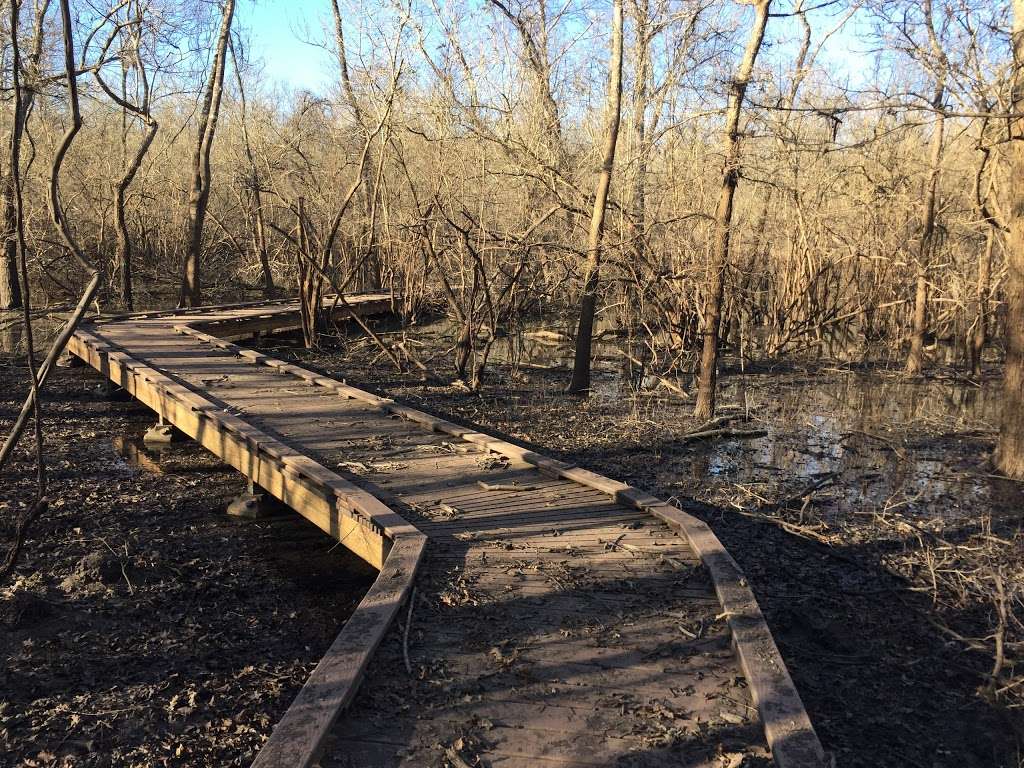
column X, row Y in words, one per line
column 299, row 736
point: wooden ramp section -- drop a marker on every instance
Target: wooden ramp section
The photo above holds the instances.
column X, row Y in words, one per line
column 557, row 618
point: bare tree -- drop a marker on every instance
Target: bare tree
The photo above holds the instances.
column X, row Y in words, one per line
column 938, row 64
column 39, row 504
column 60, row 223
column 979, row 333
column 10, row 291
column 708, row 379
column 580, row 382
column 985, row 201
column 254, row 187
column 370, row 184
column 1009, row 456
column 199, row 194
column 532, row 25
column 131, row 58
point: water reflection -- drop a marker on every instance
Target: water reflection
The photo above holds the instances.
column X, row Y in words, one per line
column 137, row 454
column 891, row 443
column 163, row 458
column 888, row 440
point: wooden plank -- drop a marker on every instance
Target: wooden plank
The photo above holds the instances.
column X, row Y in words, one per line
column 791, row 736
column 192, row 415
column 299, row 736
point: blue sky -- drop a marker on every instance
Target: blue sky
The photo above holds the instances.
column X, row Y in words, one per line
column 277, row 30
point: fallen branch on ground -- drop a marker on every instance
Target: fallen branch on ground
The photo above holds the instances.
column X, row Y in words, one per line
column 723, row 432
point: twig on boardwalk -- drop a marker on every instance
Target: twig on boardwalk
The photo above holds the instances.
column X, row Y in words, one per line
column 506, row 486
column 455, row 758
column 618, row 543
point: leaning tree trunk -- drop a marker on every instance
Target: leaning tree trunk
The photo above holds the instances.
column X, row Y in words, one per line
column 199, row 193
column 708, row 380
column 580, row 382
column 1009, row 456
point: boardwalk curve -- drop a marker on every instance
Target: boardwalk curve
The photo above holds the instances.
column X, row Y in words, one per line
column 557, row 617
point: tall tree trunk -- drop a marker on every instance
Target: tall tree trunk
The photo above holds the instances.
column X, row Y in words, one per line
column 369, row 186
column 199, row 194
column 708, row 381
column 915, row 360
column 580, row 382
column 10, row 289
column 130, row 167
column 1009, row 456
column 641, row 95
column 259, row 232
column 980, row 336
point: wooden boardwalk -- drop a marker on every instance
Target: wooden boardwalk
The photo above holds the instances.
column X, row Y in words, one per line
column 557, row 618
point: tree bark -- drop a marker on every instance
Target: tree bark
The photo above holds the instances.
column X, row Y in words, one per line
column 10, row 290
column 1009, row 456
column 980, row 336
column 704, row 408
column 199, row 194
column 580, row 382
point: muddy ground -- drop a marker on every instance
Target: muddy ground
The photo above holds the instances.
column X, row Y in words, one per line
column 145, row 627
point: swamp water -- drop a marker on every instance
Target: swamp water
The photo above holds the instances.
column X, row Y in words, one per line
column 876, row 441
